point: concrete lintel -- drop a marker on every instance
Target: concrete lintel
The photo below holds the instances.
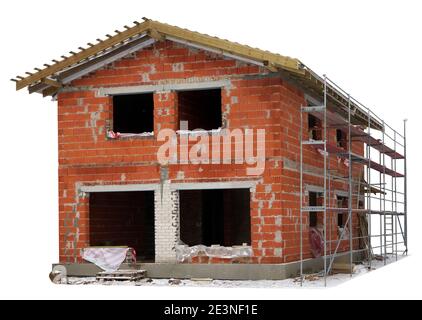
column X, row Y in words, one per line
column 120, row 187
column 164, row 87
column 213, row 185
column 341, row 193
column 313, row 188
column 173, row 186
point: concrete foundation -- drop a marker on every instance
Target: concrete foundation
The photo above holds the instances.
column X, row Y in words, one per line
column 215, row 271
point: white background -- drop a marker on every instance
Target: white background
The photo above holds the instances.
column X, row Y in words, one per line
column 371, row 48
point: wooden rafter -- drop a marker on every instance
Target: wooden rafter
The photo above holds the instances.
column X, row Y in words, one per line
column 158, row 31
column 51, row 82
column 107, row 58
column 49, row 91
column 38, row 87
column 77, row 57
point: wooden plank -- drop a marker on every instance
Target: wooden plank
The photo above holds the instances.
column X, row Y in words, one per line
column 155, row 35
column 157, row 28
column 234, row 48
column 49, row 91
column 270, row 66
column 38, row 87
column 77, row 57
column 51, row 82
column 342, row 268
column 123, row 275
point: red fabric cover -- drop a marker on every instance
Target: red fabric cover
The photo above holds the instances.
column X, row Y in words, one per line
column 316, row 242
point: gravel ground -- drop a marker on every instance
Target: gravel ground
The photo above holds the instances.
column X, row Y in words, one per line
column 311, row 281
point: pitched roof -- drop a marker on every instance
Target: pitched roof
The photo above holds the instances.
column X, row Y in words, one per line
column 51, row 78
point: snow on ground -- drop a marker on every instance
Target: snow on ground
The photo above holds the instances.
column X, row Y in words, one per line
column 310, row 281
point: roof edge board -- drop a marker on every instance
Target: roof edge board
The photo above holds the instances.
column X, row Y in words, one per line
column 102, row 53
column 77, row 57
column 291, row 64
column 81, row 70
column 94, row 57
column 357, row 113
column 215, row 50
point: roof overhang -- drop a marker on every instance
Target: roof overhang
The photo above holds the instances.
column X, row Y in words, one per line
column 50, row 79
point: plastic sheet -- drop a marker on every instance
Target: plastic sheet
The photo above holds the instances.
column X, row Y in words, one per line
column 344, row 231
column 109, row 258
column 184, row 252
column 316, row 242
column 199, row 132
column 117, row 135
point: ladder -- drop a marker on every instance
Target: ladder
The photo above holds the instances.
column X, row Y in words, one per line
column 388, row 235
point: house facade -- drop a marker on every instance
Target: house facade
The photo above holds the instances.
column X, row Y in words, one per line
column 113, row 103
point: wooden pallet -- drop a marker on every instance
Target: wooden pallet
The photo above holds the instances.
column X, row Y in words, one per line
column 342, row 268
column 121, row 275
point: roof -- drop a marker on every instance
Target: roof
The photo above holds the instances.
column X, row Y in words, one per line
column 49, row 79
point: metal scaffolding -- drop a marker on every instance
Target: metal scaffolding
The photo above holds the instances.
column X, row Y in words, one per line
column 375, row 180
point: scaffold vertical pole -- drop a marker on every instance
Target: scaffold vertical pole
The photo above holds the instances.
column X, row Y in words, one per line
column 405, row 186
column 301, row 197
column 369, row 193
column 394, row 167
column 325, row 180
column 384, row 196
column 350, row 169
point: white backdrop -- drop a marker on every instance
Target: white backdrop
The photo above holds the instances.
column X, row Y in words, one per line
column 371, row 48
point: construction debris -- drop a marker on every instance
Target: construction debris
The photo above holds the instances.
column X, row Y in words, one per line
column 121, row 275
column 205, row 280
column 308, row 277
column 343, row 268
column 175, row 281
column 58, row 275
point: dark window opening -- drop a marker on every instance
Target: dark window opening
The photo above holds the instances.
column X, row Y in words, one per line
column 315, row 199
column 341, row 138
column 123, row 219
column 133, row 113
column 200, row 108
column 342, row 202
column 313, row 219
column 340, row 220
column 314, row 126
column 212, row 217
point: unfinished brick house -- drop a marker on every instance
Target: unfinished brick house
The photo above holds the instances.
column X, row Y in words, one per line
column 208, row 219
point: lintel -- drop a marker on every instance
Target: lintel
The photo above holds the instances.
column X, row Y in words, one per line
column 213, row 185
column 173, row 186
column 341, row 193
column 313, row 188
column 120, row 187
column 163, row 87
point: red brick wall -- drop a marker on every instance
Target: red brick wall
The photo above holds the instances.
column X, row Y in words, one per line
column 254, row 101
